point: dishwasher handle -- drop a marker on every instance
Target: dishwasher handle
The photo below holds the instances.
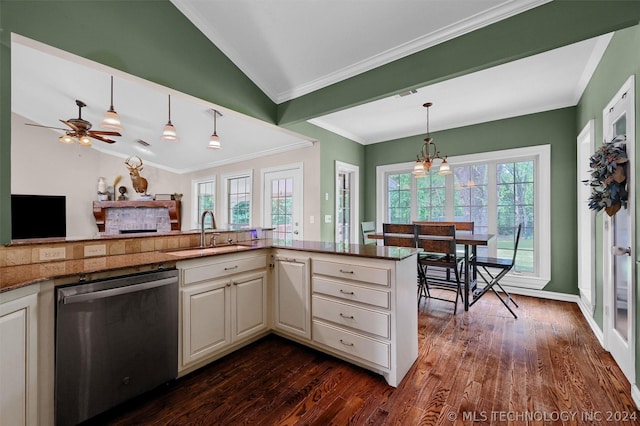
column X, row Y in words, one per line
column 101, row 294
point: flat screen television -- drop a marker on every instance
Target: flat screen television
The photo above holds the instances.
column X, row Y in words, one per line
column 38, row 216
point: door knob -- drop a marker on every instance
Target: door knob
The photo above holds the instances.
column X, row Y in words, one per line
column 295, row 232
column 620, row 251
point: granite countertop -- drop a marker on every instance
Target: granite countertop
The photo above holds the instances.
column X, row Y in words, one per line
column 12, row 277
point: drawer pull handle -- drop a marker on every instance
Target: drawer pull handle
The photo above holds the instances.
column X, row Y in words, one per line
column 346, row 272
column 346, row 292
column 346, row 316
column 230, row 268
column 346, row 343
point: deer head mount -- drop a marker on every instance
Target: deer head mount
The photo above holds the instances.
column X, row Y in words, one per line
column 134, row 164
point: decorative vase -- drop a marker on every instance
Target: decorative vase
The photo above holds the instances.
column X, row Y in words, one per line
column 612, row 209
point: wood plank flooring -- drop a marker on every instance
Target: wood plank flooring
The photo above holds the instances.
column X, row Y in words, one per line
column 477, row 367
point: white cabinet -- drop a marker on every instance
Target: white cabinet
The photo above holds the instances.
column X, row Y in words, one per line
column 18, row 361
column 206, row 320
column 365, row 310
column 248, row 305
column 292, row 315
column 223, row 305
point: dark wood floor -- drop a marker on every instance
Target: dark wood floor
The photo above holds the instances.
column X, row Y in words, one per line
column 477, row 367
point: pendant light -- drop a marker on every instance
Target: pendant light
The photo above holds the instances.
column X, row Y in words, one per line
column 428, row 154
column 111, row 120
column 169, row 132
column 214, row 140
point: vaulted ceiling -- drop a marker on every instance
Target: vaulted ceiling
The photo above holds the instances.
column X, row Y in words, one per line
column 290, row 48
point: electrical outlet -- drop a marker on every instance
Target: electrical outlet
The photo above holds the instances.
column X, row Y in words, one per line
column 95, row 250
column 327, row 218
column 53, row 253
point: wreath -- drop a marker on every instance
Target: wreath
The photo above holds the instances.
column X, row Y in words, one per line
column 608, row 177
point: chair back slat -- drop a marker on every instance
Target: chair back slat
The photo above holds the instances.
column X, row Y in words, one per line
column 398, row 234
column 436, row 238
column 460, row 226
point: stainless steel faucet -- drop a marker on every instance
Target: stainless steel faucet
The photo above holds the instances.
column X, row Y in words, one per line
column 213, row 222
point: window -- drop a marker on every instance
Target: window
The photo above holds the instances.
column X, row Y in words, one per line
column 238, row 200
column 495, row 190
column 205, row 199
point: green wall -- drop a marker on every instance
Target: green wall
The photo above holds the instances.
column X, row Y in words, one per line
column 556, row 128
column 620, row 61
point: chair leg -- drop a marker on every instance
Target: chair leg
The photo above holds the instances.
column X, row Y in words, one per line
column 495, row 281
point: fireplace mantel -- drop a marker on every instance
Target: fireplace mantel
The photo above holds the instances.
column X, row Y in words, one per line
column 100, row 210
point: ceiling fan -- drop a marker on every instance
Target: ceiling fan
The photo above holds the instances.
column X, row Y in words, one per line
column 80, row 129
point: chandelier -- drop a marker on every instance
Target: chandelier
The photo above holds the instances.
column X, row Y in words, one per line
column 429, row 154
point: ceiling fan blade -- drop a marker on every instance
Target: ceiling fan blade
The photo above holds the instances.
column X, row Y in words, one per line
column 100, row 138
column 46, row 127
column 104, row 132
column 73, row 126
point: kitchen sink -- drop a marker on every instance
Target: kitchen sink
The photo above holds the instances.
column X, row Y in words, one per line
column 203, row 251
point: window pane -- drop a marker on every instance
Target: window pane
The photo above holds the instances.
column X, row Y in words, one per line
column 239, row 200
column 399, row 198
column 205, row 200
column 516, row 198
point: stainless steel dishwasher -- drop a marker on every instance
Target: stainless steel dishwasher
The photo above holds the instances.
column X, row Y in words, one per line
column 116, row 338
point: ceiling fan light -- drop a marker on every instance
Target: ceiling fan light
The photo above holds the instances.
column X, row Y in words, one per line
column 84, row 140
column 214, row 142
column 169, row 133
column 111, row 121
column 67, row 139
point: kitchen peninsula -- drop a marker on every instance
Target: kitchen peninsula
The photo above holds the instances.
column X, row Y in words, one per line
column 352, row 301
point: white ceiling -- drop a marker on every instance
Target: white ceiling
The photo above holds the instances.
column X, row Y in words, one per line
column 290, row 48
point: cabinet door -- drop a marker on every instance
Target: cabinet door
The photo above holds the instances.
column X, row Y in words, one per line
column 249, row 302
column 206, row 320
column 292, row 313
column 18, row 362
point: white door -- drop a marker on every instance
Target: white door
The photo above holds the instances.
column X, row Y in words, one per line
column 618, row 292
column 282, row 202
column 586, row 220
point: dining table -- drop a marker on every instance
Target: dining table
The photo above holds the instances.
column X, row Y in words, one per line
column 470, row 241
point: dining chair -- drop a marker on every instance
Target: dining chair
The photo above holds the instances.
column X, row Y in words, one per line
column 398, row 234
column 461, row 226
column 438, row 262
column 367, row 228
column 503, row 266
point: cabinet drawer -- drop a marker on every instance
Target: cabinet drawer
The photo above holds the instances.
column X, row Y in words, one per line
column 352, row 293
column 362, row 319
column 223, row 268
column 365, row 274
column 355, row 345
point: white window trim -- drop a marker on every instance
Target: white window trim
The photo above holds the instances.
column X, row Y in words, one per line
column 542, row 153
column 195, row 220
column 225, row 195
